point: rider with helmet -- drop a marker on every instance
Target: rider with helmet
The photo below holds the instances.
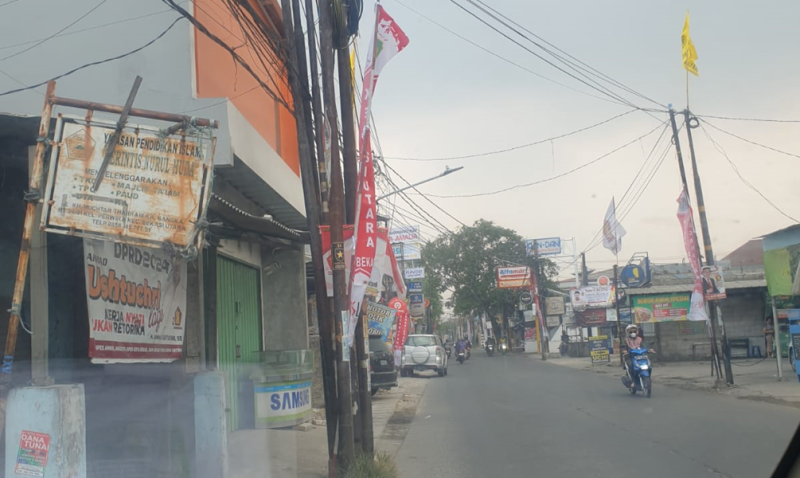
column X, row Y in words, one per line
column 633, row 340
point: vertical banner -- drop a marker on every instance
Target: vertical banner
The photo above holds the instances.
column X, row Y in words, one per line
column 401, row 334
column 698, row 305
column 136, row 299
column 380, row 320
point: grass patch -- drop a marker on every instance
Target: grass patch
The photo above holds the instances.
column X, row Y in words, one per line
column 365, row 466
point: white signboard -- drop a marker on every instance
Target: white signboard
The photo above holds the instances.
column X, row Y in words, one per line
column 412, row 251
column 412, row 273
column 550, row 246
column 404, row 234
column 136, row 299
column 283, row 402
column 555, row 306
column 592, row 296
column 513, row 277
column 153, row 190
column 417, row 310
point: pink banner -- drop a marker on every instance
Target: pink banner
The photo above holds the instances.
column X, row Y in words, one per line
column 401, row 334
column 698, row 306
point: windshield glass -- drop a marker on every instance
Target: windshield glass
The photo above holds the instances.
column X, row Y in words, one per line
column 421, row 341
column 376, row 344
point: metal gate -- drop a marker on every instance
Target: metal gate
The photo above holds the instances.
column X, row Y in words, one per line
column 238, row 334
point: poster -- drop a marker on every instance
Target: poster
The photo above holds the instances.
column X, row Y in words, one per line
column 401, row 332
column 599, row 347
column 136, row 298
column 661, row 308
column 592, row 296
column 379, row 321
column 713, row 283
column 32, row 454
column 153, row 190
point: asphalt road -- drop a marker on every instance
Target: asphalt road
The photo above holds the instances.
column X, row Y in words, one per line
column 518, row 416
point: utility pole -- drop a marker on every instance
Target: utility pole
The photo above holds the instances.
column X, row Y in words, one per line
column 676, row 140
column 701, row 208
column 584, row 271
column 619, row 318
column 336, row 205
column 316, row 105
column 539, row 302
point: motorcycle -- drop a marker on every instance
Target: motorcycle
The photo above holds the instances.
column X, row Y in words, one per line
column 449, row 349
column 504, row 348
column 461, row 357
column 637, row 377
column 469, row 352
column 490, row 349
column 563, row 349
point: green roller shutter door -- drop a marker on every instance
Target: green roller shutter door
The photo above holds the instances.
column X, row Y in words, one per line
column 239, row 331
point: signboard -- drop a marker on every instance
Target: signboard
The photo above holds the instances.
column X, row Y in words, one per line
column 283, row 402
column 526, row 298
column 611, row 315
column 412, row 251
column 661, row 308
column 417, row 310
column 553, row 321
column 32, row 454
column 398, row 251
column 412, row 273
column 416, row 298
column 590, row 317
column 136, row 298
column 603, row 281
column 713, row 283
column 550, row 246
column 598, row 348
column 415, row 287
column 154, row 190
column 633, row 275
column 782, row 261
column 513, row 277
column 555, row 306
column 380, row 320
column 404, row 234
column 592, row 296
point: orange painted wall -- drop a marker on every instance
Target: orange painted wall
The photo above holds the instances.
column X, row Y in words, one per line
column 219, row 76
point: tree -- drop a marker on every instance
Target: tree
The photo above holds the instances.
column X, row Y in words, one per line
column 431, row 286
column 465, row 262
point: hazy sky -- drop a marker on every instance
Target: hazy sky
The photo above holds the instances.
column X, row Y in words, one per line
column 443, row 97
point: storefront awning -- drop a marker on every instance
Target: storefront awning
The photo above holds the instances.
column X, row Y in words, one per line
column 255, row 224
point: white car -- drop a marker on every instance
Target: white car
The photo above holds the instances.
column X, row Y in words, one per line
column 423, row 352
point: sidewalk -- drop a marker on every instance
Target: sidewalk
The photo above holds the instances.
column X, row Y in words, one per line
column 293, row 453
column 754, row 379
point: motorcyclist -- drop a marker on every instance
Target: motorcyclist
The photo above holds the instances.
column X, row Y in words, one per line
column 490, row 341
column 633, row 340
column 461, row 346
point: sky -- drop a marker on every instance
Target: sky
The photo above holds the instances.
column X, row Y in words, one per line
column 443, row 97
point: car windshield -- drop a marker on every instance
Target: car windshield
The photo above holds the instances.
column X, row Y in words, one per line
column 399, row 238
column 421, row 341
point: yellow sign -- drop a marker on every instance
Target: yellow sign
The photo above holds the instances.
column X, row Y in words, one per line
column 600, row 355
column 688, row 51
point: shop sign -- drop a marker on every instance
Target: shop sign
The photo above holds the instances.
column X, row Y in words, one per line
column 598, row 348
column 513, row 277
column 404, row 234
column 283, row 401
column 416, row 298
column 398, row 251
column 661, row 307
column 412, row 251
column 592, row 296
column 590, row 317
column 154, row 190
column 553, row 321
column 555, row 306
column 634, row 275
column 380, row 320
column 417, row 310
column 32, row 453
column 415, row 287
column 414, row 273
column 550, row 246
column 136, row 298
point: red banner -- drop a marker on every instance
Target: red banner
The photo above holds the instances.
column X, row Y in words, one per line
column 401, row 334
column 698, row 307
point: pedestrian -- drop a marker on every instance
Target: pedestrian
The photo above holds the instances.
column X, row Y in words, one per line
column 769, row 334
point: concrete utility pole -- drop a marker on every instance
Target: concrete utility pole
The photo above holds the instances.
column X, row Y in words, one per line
column 545, row 349
column 620, row 334
column 336, row 205
column 677, row 141
column 701, row 208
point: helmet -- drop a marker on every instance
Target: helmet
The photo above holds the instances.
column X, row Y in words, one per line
column 631, row 329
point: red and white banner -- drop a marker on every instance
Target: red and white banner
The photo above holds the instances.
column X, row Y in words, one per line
column 698, row 305
column 401, row 333
column 388, row 41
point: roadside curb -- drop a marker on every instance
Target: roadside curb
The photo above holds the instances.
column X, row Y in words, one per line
column 398, row 425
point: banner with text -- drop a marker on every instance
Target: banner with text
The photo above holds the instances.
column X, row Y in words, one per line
column 136, row 299
column 513, row 277
column 380, row 320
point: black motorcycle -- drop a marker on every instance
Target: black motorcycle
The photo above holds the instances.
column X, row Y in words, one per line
column 448, row 349
column 461, row 357
column 490, row 349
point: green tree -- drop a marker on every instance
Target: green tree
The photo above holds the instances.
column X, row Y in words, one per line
column 465, row 262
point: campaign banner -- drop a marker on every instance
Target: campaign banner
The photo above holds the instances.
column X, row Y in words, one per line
column 380, row 320
column 136, row 298
column 713, row 283
column 592, row 296
column 598, row 348
column 590, row 317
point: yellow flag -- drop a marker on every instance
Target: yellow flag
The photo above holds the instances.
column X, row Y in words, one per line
column 687, row 49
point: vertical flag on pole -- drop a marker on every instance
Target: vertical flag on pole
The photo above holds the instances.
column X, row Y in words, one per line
column 697, row 309
column 612, row 230
column 688, row 51
column 388, row 41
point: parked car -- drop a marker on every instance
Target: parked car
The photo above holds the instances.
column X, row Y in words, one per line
column 381, row 365
column 423, row 352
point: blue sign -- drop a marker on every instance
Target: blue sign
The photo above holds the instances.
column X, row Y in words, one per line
column 634, row 275
column 398, row 251
column 550, row 246
column 416, row 298
column 415, row 287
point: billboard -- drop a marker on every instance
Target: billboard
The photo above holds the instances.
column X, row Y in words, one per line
column 154, row 189
column 412, row 273
column 592, row 296
column 661, row 307
column 550, row 246
column 590, row 317
column 513, row 277
column 555, row 306
column 404, row 234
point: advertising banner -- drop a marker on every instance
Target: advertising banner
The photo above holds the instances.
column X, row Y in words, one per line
column 415, row 287
column 590, row 317
column 550, row 246
column 592, row 296
column 154, row 190
column 782, row 262
column 380, row 320
column 555, row 306
column 412, row 251
column 401, row 332
column 283, row 402
column 697, row 309
column 136, row 300
column 513, row 277
column 598, row 348
column 415, row 273
column 661, row 308
column 32, row 454
column 404, row 234
column 713, row 283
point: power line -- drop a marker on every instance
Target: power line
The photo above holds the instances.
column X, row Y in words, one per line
column 735, row 168
column 552, row 178
column 752, row 142
column 95, row 63
column 517, row 65
column 762, row 120
column 514, row 148
column 8, row 3
column 56, row 33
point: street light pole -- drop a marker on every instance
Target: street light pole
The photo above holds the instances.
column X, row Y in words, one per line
column 443, row 174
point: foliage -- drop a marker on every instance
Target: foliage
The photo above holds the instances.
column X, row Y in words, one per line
column 466, row 260
column 431, row 286
column 365, row 466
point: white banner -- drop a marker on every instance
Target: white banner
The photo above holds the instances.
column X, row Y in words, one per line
column 136, row 298
column 412, row 273
column 404, row 234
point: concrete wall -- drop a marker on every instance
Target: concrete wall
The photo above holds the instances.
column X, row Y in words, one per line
column 284, row 298
column 674, row 340
column 743, row 312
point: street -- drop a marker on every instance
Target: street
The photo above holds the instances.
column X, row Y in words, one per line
column 519, row 416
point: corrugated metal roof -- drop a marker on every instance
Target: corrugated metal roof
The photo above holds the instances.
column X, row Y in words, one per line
column 668, row 289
